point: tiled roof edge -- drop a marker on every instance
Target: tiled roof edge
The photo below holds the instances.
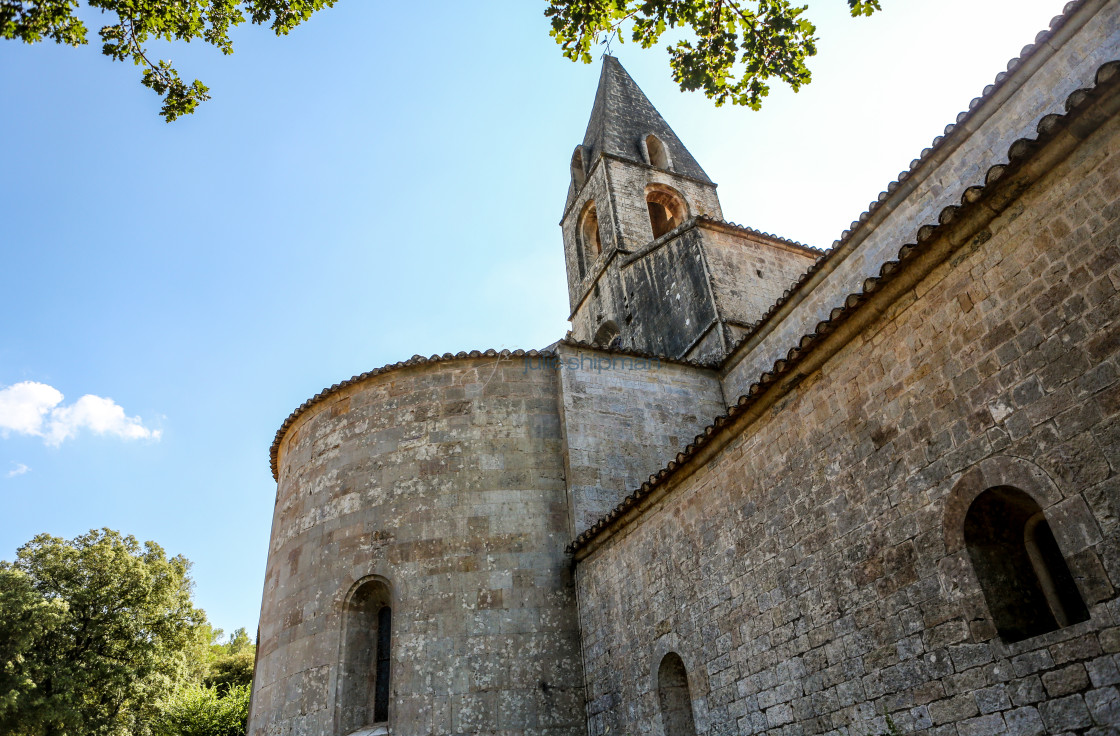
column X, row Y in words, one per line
column 760, row 233
column 572, row 342
column 856, row 227
column 1018, row 153
column 415, row 360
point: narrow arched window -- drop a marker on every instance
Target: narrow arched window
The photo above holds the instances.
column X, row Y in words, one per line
column 674, row 696
column 658, row 156
column 666, row 210
column 1025, row 579
column 579, row 172
column 589, row 232
column 381, row 677
column 364, row 679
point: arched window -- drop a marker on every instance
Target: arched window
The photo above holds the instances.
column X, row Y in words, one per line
column 579, row 173
column 589, row 232
column 580, row 258
column 1025, row 579
column 365, row 673
column 666, row 210
column 675, row 699
column 606, row 335
column 658, row 156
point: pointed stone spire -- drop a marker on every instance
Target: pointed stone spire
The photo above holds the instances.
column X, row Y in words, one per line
column 623, row 116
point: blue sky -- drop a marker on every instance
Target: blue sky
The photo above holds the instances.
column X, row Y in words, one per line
column 380, row 183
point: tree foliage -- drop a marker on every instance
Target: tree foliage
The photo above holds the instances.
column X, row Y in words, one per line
column 95, row 632
column 730, row 49
column 214, row 701
column 26, row 618
column 229, row 664
column 133, row 23
column 201, row 710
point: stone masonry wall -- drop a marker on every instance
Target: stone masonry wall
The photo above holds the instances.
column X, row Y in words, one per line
column 594, row 190
column 621, row 417
column 446, row 480
column 749, row 273
column 1070, row 65
column 628, row 182
column 811, row 575
column 669, row 302
column 710, row 272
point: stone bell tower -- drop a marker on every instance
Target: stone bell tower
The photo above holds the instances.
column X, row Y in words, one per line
column 651, row 265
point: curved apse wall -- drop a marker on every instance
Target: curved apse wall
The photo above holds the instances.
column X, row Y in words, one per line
column 445, row 481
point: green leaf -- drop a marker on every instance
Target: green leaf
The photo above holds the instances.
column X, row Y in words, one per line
column 731, row 49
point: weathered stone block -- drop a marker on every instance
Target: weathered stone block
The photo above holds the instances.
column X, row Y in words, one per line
column 993, row 699
column 1067, row 680
column 1104, row 704
column 1065, row 713
column 1025, row 722
column 953, row 709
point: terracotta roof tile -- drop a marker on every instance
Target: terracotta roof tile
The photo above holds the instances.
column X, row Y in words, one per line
column 570, row 341
column 417, row 360
column 752, row 231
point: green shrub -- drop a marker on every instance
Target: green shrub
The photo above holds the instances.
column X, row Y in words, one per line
column 198, row 710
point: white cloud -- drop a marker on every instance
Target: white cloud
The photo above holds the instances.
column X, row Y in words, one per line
column 35, row 409
column 20, row 469
column 24, row 407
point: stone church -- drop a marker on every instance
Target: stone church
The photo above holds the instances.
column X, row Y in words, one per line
column 759, row 488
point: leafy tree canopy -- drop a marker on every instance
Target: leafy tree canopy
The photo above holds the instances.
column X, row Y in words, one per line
column 730, row 49
column 94, row 633
column 230, row 665
column 135, row 22
column 199, row 710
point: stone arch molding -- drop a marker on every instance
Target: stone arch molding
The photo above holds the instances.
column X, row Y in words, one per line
column 697, row 682
column 1002, row 470
column 667, row 207
column 665, row 194
column 347, row 592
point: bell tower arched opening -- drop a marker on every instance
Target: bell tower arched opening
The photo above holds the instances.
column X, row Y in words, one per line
column 591, row 244
column 607, row 334
column 655, row 150
column 579, row 169
column 666, row 208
